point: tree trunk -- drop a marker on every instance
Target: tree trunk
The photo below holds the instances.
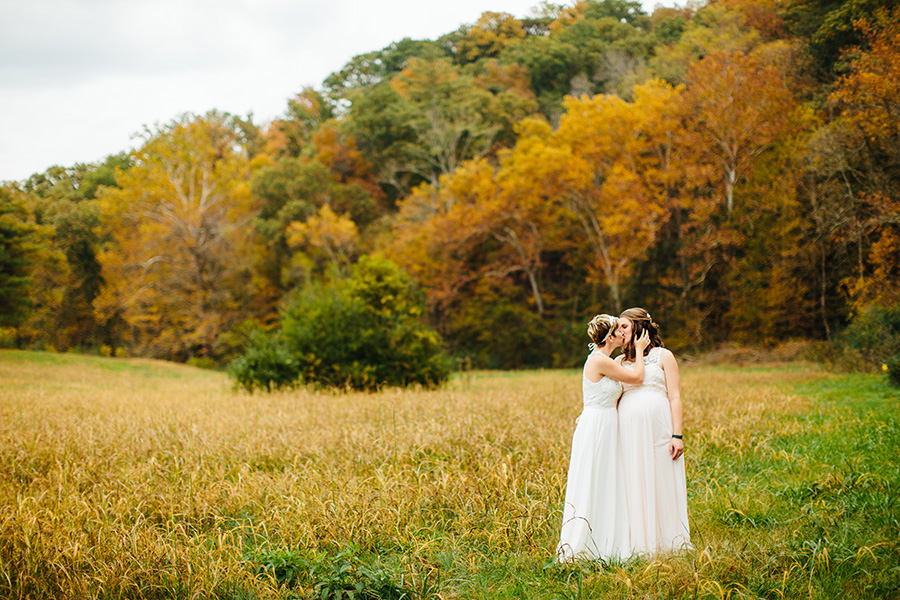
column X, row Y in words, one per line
column 730, row 179
column 822, row 300
column 536, row 291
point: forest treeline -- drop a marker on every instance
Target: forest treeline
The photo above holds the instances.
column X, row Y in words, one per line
column 734, row 167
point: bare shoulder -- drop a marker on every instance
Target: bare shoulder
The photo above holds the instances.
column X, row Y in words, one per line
column 666, row 356
column 599, row 358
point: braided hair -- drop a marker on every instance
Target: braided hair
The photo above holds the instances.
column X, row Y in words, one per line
column 642, row 322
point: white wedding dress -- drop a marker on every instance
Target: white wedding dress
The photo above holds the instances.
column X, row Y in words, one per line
column 655, row 485
column 594, row 524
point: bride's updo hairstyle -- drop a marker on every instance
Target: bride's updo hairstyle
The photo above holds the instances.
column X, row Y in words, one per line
column 600, row 327
column 642, row 322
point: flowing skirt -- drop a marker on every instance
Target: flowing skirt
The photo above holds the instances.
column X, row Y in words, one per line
column 655, row 485
column 594, row 523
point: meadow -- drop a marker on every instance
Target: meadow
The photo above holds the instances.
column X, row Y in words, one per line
column 130, row 478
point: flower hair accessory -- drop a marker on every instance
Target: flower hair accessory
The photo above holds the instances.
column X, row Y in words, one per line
column 592, row 346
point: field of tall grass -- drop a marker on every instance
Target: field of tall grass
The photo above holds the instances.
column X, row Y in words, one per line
column 127, row 478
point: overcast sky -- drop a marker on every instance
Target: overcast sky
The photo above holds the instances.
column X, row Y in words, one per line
column 78, row 78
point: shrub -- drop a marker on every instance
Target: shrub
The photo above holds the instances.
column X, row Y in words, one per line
column 364, row 332
column 7, row 337
column 266, row 365
column 202, row 362
column 236, row 341
column 345, row 574
column 873, row 336
column 893, row 369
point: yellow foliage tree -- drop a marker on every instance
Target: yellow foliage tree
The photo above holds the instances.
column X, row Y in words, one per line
column 173, row 269
column 592, row 165
column 489, row 36
column 603, row 172
column 335, row 235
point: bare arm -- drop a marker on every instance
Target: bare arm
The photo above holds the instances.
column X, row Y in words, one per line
column 600, row 365
column 673, row 389
column 610, row 368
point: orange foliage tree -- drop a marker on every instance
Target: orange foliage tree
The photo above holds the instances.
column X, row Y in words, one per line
column 601, row 182
column 741, row 108
column 869, row 95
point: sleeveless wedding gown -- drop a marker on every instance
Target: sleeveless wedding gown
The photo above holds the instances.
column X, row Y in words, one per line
column 594, row 524
column 655, row 485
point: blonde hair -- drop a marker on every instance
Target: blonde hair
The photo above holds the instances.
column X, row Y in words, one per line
column 601, row 326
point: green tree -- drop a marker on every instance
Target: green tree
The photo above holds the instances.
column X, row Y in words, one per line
column 828, row 27
column 65, row 200
column 21, row 241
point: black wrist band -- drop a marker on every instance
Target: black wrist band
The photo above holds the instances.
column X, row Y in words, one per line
column 676, row 436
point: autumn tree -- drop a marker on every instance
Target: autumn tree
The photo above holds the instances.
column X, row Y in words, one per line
column 827, row 28
column 590, row 47
column 364, row 73
column 172, row 269
column 717, row 27
column 334, row 235
column 306, row 112
column 742, row 227
column 594, row 171
column 436, row 236
column 64, row 201
column 741, row 109
column 490, row 34
column 330, row 172
column 869, row 95
column 447, row 118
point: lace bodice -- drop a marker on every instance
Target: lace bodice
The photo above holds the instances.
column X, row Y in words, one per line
column 601, row 394
column 654, row 376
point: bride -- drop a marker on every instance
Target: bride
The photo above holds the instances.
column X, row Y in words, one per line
column 651, row 443
column 594, row 524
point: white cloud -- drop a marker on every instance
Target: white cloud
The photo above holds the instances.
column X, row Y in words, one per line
column 79, row 77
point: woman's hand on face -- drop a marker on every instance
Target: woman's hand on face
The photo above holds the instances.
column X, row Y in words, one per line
column 642, row 342
column 676, row 448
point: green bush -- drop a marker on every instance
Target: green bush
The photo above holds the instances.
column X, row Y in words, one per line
column 266, row 365
column 236, row 341
column 873, row 337
column 893, row 369
column 202, row 362
column 345, row 574
column 364, row 332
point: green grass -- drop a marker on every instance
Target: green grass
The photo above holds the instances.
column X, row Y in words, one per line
column 127, row 478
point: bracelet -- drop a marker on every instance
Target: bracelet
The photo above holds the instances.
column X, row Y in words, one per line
column 677, row 436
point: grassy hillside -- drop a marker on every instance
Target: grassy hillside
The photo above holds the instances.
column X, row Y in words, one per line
column 124, row 478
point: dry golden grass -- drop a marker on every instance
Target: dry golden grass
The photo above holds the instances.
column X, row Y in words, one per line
column 139, row 479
